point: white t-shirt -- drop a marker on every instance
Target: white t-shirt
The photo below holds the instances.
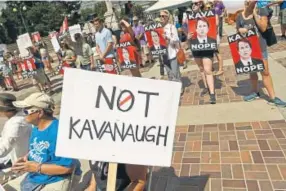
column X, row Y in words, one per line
column 14, row 141
column 172, row 34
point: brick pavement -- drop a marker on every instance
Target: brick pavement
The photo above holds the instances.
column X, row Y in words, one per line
column 229, row 87
column 245, row 156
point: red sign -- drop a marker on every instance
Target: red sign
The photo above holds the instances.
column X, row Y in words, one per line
column 154, row 34
column 36, row 37
column 108, row 66
column 53, row 34
column 203, row 27
column 62, row 67
column 126, row 54
column 246, row 52
column 28, row 67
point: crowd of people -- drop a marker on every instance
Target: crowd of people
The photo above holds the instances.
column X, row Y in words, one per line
column 28, row 139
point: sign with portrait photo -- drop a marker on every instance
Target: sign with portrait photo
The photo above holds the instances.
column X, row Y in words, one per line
column 246, row 52
column 109, row 66
column 28, row 68
column 36, row 37
column 204, row 29
column 154, row 34
column 126, row 55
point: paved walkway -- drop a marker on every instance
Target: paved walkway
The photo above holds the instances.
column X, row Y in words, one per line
column 232, row 145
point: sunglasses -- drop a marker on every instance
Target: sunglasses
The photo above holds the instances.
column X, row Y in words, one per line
column 30, row 111
column 163, row 16
column 196, row 4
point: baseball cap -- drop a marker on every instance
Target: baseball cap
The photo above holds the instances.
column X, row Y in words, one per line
column 6, row 101
column 40, row 100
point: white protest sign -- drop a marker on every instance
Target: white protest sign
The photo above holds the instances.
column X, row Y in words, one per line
column 118, row 119
column 55, row 43
column 73, row 30
column 21, row 45
column 27, row 42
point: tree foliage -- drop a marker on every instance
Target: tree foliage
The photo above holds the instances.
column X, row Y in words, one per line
column 41, row 16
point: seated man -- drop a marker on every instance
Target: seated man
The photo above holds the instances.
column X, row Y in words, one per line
column 14, row 141
column 43, row 169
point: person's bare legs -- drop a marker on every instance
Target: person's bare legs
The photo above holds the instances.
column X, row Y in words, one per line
column 220, row 64
column 254, row 82
column 267, row 80
column 283, row 29
column 208, row 65
column 199, row 62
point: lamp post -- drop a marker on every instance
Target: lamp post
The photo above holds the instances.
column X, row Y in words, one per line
column 23, row 20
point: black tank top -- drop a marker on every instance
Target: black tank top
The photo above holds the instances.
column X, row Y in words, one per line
column 100, row 170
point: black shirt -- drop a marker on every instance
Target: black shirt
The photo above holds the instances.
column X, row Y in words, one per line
column 100, row 170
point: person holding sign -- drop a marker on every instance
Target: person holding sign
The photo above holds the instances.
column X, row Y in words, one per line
column 172, row 40
column 43, row 169
column 104, row 47
column 127, row 62
column 258, row 19
column 203, row 58
column 128, row 36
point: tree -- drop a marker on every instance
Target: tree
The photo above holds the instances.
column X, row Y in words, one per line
column 138, row 11
column 39, row 16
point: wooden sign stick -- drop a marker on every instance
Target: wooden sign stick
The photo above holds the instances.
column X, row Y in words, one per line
column 112, row 174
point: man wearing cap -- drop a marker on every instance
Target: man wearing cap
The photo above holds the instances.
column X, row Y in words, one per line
column 43, row 169
column 16, row 132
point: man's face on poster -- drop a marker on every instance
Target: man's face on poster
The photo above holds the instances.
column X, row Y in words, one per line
column 202, row 29
column 244, row 50
column 155, row 38
column 125, row 54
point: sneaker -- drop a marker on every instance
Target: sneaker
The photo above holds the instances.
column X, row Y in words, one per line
column 278, row 102
column 251, row 97
column 212, row 99
column 204, row 92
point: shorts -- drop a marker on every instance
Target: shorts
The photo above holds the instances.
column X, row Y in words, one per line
column 41, row 77
column 203, row 54
column 265, row 55
column 45, row 58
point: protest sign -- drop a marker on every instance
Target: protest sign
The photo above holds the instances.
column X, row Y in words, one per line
column 109, row 66
column 53, row 34
column 36, row 37
column 126, row 54
column 28, row 68
column 246, row 52
column 154, row 33
column 73, row 30
column 203, row 26
column 117, row 118
column 27, row 42
column 55, row 43
column 22, row 48
column 61, row 67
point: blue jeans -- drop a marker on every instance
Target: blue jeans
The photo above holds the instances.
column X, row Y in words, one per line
column 85, row 67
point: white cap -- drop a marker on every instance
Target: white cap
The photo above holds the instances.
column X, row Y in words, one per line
column 39, row 100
